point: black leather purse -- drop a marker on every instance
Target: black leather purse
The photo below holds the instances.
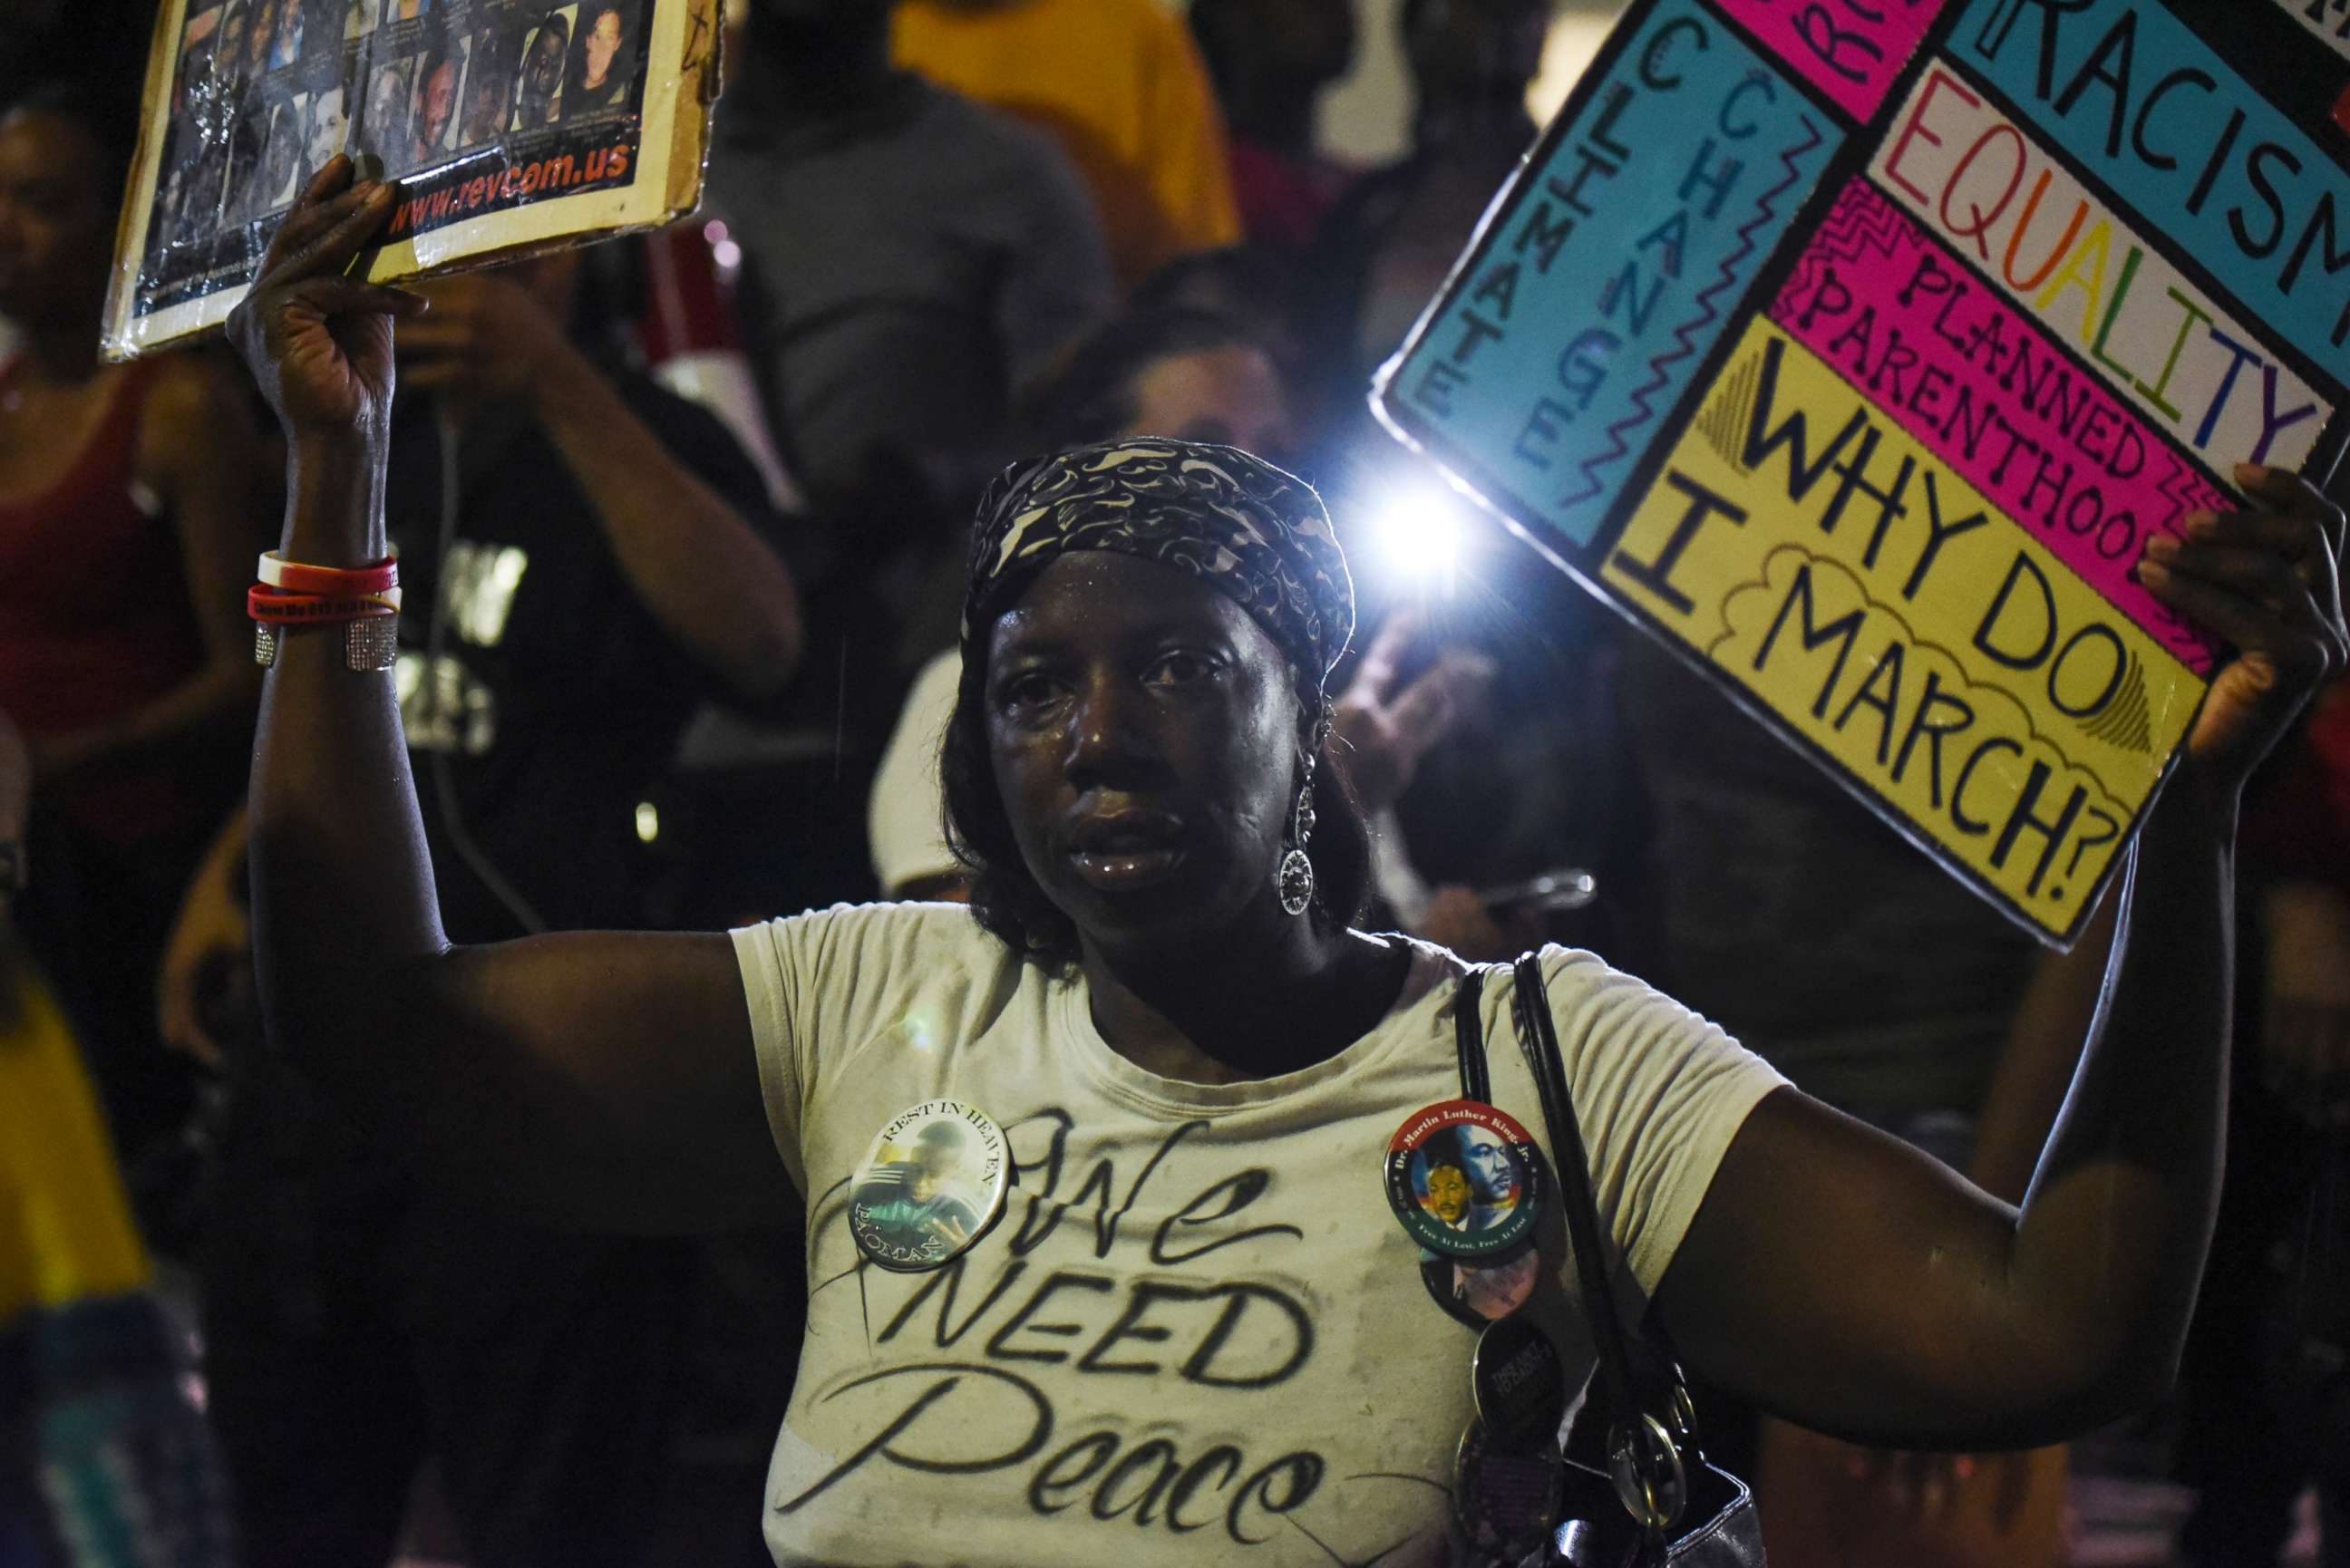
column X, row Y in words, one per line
column 1638, row 1492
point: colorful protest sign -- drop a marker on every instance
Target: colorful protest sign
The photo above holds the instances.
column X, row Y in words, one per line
column 1856, row 351
column 512, row 126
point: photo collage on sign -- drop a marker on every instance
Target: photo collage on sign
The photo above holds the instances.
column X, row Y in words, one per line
column 1858, row 363
column 266, row 91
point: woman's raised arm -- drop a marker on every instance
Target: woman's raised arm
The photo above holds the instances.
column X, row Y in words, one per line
column 601, row 1081
column 1840, row 1279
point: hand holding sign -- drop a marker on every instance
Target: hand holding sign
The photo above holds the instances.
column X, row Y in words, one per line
column 1859, row 362
column 498, row 153
column 319, row 343
column 2269, row 580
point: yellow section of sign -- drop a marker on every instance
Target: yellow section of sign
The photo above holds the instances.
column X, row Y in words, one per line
column 1829, row 566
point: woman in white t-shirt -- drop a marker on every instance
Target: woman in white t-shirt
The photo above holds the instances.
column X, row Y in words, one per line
column 1197, row 1333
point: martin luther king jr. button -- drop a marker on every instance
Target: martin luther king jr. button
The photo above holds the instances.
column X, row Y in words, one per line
column 1460, row 1179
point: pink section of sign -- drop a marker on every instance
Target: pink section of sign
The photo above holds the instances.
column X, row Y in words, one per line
column 1849, row 49
column 1985, row 390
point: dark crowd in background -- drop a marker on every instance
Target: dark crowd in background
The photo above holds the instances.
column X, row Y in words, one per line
column 682, row 519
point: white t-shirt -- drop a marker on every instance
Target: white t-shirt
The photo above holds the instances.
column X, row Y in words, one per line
column 1198, row 1334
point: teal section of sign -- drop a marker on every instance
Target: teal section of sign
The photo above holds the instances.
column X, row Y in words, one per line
column 1613, row 265
column 2126, row 93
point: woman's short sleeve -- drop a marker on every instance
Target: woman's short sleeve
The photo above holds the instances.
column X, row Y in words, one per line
column 818, row 983
column 1659, row 1094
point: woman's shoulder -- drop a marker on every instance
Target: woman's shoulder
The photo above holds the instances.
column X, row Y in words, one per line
column 1577, row 982
column 1576, row 979
column 829, row 980
column 1433, row 963
column 875, row 947
column 883, row 921
column 186, row 410
column 193, row 384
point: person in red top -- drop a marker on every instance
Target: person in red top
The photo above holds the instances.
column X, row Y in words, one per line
column 129, row 523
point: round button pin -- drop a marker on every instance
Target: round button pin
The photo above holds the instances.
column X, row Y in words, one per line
column 1442, row 1278
column 930, row 1187
column 1480, row 1295
column 1460, row 1178
column 1520, row 1387
column 1507, row 1504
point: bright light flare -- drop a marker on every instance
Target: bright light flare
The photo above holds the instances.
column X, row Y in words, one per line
column 1416, row 536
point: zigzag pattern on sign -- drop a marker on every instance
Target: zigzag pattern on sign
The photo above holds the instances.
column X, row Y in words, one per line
column 1685, row 335
column 1861, row 222
column 2186, row 490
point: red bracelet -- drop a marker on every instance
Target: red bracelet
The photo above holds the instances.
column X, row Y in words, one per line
column 264, row 603
column 330, row 582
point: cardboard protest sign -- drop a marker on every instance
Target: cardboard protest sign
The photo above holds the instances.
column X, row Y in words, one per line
column 513, row 126
column 1855, row 349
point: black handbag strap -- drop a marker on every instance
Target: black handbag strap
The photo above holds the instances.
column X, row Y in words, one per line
column 1644, row 1455
column 1469, row 1036
column 1538, row 1039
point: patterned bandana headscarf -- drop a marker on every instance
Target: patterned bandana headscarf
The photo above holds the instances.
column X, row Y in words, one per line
column 1243, row 527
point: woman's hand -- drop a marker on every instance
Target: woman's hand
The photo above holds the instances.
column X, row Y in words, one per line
column 211, row 939
column 319, row 343
column 210, row 942
column 1386, row 728
column 2269, row 580
column 489, row 336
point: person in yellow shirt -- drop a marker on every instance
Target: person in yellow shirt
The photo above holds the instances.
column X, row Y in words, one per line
column 104, row 1462
column 1121, row 84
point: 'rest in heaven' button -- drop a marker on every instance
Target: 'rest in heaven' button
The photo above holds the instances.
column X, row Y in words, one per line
column 930, row 1187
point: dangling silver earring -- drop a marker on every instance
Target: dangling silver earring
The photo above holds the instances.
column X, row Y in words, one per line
column 1294, row 877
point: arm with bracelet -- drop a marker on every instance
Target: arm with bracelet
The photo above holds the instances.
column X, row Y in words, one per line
column 1918, row 1311
column 603, row 1080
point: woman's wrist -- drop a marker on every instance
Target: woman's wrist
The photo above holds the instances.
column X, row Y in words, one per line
column 334, row 486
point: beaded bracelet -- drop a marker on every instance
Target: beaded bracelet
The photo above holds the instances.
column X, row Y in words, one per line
column 370, row 643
